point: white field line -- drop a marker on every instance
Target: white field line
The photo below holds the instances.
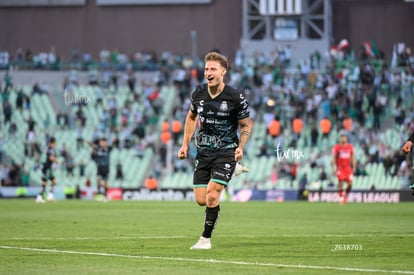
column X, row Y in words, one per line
column 180, row 259
column 217, row 236
column 90, row 238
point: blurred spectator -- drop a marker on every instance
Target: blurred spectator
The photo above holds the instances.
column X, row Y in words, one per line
column 64, row 151
column 139, row 149
column 325, row 126
column 37, row 89
column 114, row 80
column 14, row 174
column 297, row 127
column 119, row 171
column 274, row 128
column 82, row 167
column 314, row 135
column 387, row 163
column 1, row 147
column 139, row 130
column 176, row 127
column 377, row 110
column 30, row 124
column 165, row 137
column 4, row 174
column 163, row 155
column 131, row 81
column 8, row 83
column 7, row 112
column 263, row 150
column 347, row 124
column 24, row 176
column 360, row 169
column 323, row 176
column 79, row 138
column 151, row 183
column 19, row 100
column 303, row 182
column 28, row 103
column 12, row 131
column 293, row 172
column 46, row 122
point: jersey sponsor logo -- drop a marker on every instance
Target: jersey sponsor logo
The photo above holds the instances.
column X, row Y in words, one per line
column 223, row 114
column 219, row 174
column 344, row 154
column 208, row 141
column 244, row 113
column 223, row 106
column 212, row 121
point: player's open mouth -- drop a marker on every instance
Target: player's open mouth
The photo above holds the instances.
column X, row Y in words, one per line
column 210, row 78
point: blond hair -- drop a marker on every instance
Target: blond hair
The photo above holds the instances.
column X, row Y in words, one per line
column 215, row 56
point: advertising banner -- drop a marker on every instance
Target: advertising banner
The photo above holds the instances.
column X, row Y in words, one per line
column 378, row 196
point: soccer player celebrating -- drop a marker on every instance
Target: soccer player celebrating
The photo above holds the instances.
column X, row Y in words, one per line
column 344, row 165
column 47, row 173
column 101, row 156
column 220, row 110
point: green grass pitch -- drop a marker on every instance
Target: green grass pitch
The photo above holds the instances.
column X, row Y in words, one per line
column 88, row 237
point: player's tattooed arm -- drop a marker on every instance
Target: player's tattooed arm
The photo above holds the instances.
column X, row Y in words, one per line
column 246, row 130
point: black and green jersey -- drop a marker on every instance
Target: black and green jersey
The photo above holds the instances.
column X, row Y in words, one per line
column 101, row 156
column 49, row 153
column 218, row 117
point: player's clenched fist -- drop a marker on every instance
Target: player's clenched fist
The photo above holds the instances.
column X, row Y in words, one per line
column 182, row 153
column 407, row 147
column 238, row 154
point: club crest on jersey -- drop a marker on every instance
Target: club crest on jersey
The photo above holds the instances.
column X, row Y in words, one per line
column 224, row 106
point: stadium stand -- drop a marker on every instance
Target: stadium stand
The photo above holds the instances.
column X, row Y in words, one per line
column 371, row 96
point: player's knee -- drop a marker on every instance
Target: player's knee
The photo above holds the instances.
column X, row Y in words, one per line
column 212, row 198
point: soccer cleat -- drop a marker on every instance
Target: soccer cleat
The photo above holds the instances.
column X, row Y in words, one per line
column 50, row 197
column 240, row 169
column 101, row 198
column 39, row 199
column 203, row 243
column 411, row 186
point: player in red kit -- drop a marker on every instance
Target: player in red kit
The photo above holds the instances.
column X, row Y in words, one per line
column 343, row 165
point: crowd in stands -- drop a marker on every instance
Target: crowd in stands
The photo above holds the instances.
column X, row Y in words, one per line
column 347, row 94
column 324, row 93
